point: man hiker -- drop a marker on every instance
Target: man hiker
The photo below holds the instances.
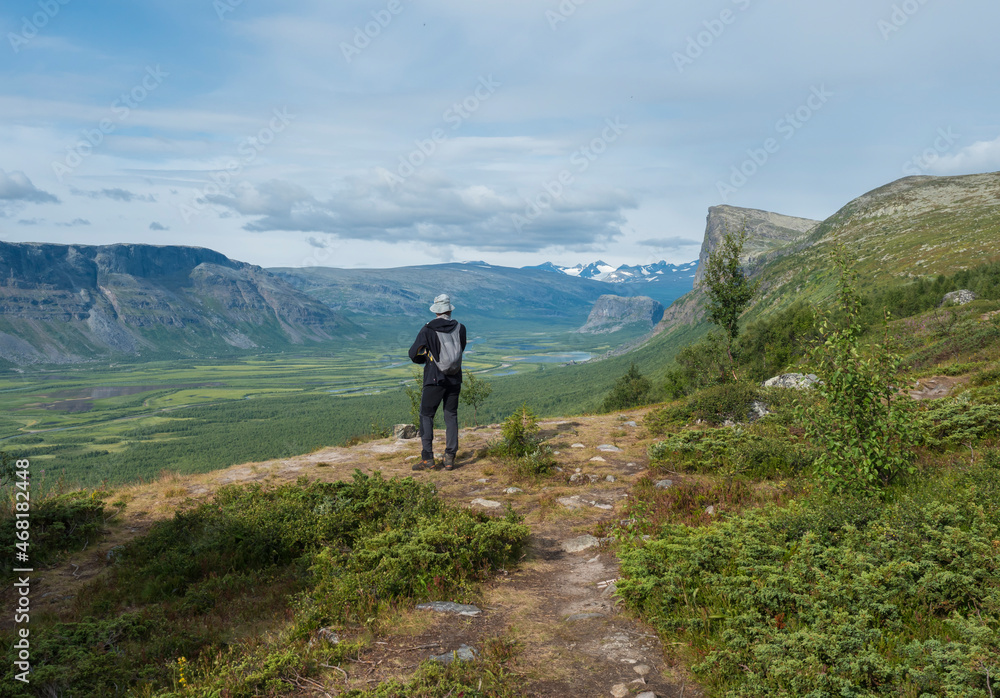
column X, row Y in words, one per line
column 439, row 346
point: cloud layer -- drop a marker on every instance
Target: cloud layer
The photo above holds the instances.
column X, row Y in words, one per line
column 516, row 132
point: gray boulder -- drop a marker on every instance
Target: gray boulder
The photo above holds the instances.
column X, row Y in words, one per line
column 758, row 409
column 796, row 381
column 576, row 545
column 462, row 654
column 329, row 635
column 959, row 297
column 405, row 431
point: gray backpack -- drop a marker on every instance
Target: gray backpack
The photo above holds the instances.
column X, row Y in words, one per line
column 450, row 361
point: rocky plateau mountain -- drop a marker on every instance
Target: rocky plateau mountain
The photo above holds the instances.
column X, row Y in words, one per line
column 613, row 313
column 769, row 233
column 72, row 303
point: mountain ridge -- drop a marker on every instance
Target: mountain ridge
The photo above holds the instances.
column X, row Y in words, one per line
column 73, row 303
column 478, row 290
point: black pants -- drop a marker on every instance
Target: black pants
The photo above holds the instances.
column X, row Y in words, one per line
column 433, row 396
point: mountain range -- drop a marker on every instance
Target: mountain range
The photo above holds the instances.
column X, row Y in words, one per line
column 661, row 272
column 73, row 303
column 481, row 291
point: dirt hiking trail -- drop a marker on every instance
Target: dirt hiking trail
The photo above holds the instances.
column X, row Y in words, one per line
column 558, row 604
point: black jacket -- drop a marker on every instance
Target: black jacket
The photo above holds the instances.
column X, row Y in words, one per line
column 427, row 340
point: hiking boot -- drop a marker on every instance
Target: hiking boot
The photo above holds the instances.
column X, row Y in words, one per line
column 424, row 464
column 449, row 461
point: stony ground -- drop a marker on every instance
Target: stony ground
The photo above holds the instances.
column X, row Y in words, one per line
column 558, row 604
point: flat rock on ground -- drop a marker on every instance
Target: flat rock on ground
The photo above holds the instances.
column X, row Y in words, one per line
column 450, row 607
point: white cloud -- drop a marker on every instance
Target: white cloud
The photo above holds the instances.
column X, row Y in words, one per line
column 319, row 177
column 116, row 194
column 669, row 243
column 982, row 156
column 16, row 186
column 432, row 210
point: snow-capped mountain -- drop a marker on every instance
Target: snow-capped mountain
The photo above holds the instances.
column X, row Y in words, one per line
column 602, row 271
column 598, row 271
column 652, row 272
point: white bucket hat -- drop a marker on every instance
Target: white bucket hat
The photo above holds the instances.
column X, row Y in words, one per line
column 442, row 304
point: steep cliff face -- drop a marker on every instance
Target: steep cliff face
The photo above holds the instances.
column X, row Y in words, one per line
column 613, row 313
column 913, row 227
column 770, row 233
column 68, row 303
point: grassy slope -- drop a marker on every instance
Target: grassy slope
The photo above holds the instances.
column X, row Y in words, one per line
column 790, row 590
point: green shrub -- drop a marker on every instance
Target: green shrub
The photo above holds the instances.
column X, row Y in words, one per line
column 660, row 421
column 520, row 445
column 771, row 345
column 436, row 558
column 863, row 427
column 519, row 433
column 991, row 458
column 988, row 377
column 631, row 390
column 698, row 365
column 957, row 421
column 727, row 401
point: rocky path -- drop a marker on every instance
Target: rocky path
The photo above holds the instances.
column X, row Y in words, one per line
column 557, row 605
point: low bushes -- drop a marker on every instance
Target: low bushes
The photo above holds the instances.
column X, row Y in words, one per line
column 959, row 421
column 843, row 596
column 760, row 451
column 284, row 561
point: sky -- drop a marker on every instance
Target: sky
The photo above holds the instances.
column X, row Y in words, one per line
column 392, row 132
